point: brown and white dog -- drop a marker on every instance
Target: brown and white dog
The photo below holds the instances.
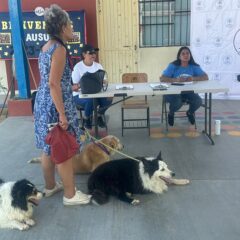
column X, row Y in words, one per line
column 96, row 153
column 93, row 154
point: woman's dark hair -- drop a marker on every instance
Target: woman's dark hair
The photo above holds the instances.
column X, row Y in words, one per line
column 178, row 61
column 55, row 18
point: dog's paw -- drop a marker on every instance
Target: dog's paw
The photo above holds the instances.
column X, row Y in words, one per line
column 181, row 181
column 185, row 181
column 135, row 202
column 21, row 226
column 24, row 227
column 30, row 222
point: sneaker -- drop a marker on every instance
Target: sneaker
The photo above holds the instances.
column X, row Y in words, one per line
column 191, row 117
column 49, row 192
column 87, row 123
column 78, row 199
column 101, row 122
column 171, row 119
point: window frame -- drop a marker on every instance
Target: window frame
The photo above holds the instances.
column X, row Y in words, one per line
column 168, row 30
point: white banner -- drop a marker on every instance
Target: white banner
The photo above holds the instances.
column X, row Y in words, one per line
column 215, row 41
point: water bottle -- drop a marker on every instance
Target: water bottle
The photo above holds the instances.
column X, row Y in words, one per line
column 217, row 127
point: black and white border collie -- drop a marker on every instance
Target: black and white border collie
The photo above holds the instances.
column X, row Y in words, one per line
column 16, row 204
column 124, row 177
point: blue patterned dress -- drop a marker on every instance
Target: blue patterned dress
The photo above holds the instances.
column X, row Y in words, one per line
column 44, row 109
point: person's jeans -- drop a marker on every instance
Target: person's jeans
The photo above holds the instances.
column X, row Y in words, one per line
column 87, row 104
column 177, row 100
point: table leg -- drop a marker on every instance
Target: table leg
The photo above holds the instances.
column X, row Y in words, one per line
column 208, row 117
column 95, row 117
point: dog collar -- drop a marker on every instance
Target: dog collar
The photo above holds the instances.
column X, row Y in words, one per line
column 102, row 147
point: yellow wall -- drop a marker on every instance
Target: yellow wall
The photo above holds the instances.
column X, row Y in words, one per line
column 154, row 60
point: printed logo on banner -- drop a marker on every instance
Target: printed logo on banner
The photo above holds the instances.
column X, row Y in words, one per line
column 200, row 5
column 39, row 11
column 236, row 41
column 229, row 22
column 209, row 23
column 207, row 60
column 216, row 76
column 197, row 42
column 227, row 60
column 219, row 4
column 218, row 41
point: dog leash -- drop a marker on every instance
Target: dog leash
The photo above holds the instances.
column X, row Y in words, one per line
column 121, row 153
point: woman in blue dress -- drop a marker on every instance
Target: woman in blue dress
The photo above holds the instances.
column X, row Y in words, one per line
column 183, row 69
column 54, row 103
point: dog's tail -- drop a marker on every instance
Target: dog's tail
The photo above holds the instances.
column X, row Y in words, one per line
column 99, row 197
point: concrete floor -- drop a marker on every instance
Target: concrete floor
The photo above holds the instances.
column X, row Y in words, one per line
column 207, row 209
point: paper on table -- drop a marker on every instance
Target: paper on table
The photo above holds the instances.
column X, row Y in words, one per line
column 124, row 87
column 159, row 86
column 184, row 83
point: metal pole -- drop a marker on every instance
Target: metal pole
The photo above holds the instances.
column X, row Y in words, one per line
column 13, row 74
column 22, row 76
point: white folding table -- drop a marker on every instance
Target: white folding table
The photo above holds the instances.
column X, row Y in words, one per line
column 139, row 89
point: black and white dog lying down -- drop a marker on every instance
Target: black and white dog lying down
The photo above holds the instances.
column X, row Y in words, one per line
column 124, row 177
column 16, row 204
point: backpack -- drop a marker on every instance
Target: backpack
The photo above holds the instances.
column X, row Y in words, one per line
column 91, row 83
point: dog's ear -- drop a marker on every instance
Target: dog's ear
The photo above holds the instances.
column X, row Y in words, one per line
column 21, row 189
column 159, row 157
column 113, row 143
column 144, row 161
column 150, row 166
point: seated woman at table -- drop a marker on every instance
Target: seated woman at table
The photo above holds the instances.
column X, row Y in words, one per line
column 183, row 69
column 88, row 64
